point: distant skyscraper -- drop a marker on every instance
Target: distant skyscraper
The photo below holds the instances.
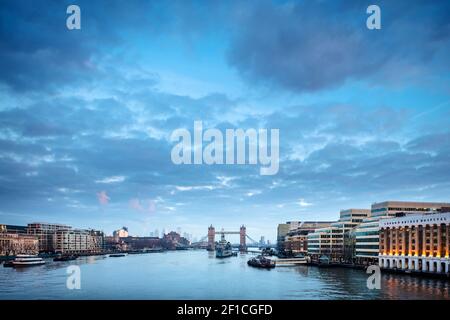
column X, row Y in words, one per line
column 262, row 241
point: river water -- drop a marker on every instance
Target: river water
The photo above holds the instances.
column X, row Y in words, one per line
column 199, row 275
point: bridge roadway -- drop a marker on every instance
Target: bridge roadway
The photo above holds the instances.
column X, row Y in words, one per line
column 228, row 232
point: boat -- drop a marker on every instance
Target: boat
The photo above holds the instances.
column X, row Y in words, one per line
column 261, row 262
column 116, row 255
column 66, row 257
column 8, row 264
column 324, row 261
column 24, row 260
column 289, row 262
column 223, row 248
column 267, row 252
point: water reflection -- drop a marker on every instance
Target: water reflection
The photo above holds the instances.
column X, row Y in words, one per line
column 199, row 275
column 410, row 287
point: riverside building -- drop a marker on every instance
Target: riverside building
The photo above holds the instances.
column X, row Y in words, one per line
column 416, row 243
column 45, row 234
column 14, row 240
column 62, row 238
column 367, row 238
column 330, row 240
column 296, row 240
column 282, row 230
column 78, row 241
column 121, row 233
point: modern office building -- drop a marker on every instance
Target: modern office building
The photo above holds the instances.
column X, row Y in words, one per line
column 364, row 240
column 325, row 241
column 393, row 208
column 296, row 240
column 62, row 238
column 367, row 233
column 330, row 241
column 282, row 230
column 45, row 234
column 353, row 217
column 262, row 241
column 416, row 242
column 77, row 241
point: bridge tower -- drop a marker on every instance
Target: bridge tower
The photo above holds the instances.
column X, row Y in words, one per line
column 242, row 237
column 211, row 238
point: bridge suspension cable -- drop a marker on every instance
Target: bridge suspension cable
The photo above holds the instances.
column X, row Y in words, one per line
column 254, row 242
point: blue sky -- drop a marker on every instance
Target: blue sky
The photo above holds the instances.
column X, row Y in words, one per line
column 86, row 115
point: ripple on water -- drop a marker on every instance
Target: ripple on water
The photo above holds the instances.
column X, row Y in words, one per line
column 199, row 275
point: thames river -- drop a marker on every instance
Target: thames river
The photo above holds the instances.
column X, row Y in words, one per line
column 199, row 275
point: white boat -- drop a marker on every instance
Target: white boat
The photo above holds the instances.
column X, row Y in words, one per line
column 289, row 262
column 24, row 260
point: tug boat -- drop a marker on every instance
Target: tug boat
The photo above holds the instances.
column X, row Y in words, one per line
column 261, row 262
column 223, row 248
column 24, row 260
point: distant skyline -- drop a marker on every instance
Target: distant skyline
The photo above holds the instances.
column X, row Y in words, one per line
column 86, row 115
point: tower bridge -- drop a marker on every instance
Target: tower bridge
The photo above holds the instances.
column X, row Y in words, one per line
column 242, row 237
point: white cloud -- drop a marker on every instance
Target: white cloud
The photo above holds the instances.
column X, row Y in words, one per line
column 190, row 188
column 253, row 193
column 225, row 181
column 113, row 179
column 302, row 203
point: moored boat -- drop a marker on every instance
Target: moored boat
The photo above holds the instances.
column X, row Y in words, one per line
column 8, row 264
column 116, row 255
column 261, row 262
column 324, row 261
column 66, row 257
column 223, row 248
column 24, row 260
column 289, row 262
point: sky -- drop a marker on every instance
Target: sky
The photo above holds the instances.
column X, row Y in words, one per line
column 86, row 115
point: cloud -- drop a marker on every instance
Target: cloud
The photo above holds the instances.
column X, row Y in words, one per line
column 225, row 181
column 253, row 193
column 189, row 188
column 113, row 179
column 78, row 115
column 313, row 45
column 303, row 203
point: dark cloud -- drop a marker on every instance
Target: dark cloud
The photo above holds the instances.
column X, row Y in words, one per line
column 313, row 45
column 38, row 52
column 79, row 119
